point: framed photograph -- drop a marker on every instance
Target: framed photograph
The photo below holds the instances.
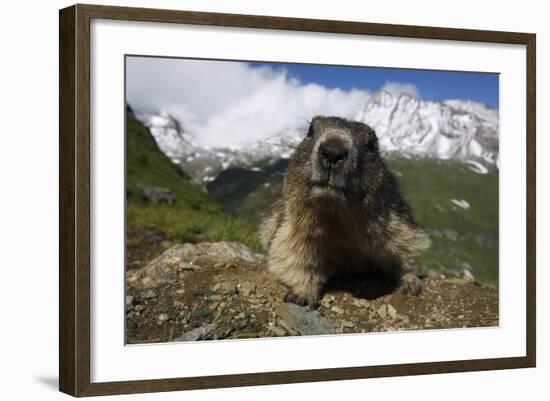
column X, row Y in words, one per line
column 250, row 200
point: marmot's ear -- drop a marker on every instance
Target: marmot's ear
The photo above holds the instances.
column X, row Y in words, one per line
column 372, row 143
column 310, row 130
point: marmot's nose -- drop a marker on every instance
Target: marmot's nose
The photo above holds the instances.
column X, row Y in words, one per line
column 332, row 152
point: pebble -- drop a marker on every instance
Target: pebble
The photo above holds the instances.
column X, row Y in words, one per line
column 227, row 288
column 201, row 312
column 391, row 311
column 149, row 294
column 278, row 331
column 382, row 311
column 129, row 300
column 348, row 325
column 247, row 288
column 337, row 309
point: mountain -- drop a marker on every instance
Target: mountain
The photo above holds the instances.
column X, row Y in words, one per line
column 459, row 130
column 454, row 129
column 146, row 164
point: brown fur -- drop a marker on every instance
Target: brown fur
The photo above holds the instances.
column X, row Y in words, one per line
column 355, row 220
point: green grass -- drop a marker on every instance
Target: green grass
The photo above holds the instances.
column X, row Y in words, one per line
column 429, row 186
column 428, row 183
column 194, row 217
column 188, row 225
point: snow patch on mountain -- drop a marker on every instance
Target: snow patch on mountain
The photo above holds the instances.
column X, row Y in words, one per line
column 453, row 129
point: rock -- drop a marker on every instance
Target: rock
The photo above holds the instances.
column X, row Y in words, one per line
column 348, row 325
column 162, row 317
column 204, row 332
column 227, row 288
column 361, row 303
column 129, row 300
column 197, row 292
column 156, row 194
column 278, row 331
column 149, row 294
column 201, row 312
column 337, row 309
column 177, row 259
column 392, row 313
column 247, row 288
column 302, row 320
column 382, row 311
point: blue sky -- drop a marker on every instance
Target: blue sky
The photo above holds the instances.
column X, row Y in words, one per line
column 431, row 85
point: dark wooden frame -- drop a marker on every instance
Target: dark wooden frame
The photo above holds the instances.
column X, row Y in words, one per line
column 74, row 203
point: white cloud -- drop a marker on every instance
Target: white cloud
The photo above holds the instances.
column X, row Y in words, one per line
column 399, row 88
column 229, row 103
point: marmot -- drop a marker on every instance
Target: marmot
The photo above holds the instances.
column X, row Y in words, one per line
column 341, row 210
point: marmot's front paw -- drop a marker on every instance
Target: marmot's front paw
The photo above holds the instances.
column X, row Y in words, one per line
column 294, row 298
column 410, row 284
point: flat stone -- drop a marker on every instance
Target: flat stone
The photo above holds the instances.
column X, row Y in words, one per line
column 348, row 325
column 303, row 320
column 204, row 332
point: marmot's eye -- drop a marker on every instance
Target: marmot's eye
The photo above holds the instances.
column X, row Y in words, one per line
column 310, row 131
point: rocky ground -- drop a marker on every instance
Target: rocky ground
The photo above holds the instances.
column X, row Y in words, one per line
column 223, row 291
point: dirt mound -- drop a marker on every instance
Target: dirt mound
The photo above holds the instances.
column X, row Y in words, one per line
column 223, row 290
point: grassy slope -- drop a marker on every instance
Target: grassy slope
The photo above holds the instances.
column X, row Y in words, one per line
column 428, row 185
column 195, row 216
